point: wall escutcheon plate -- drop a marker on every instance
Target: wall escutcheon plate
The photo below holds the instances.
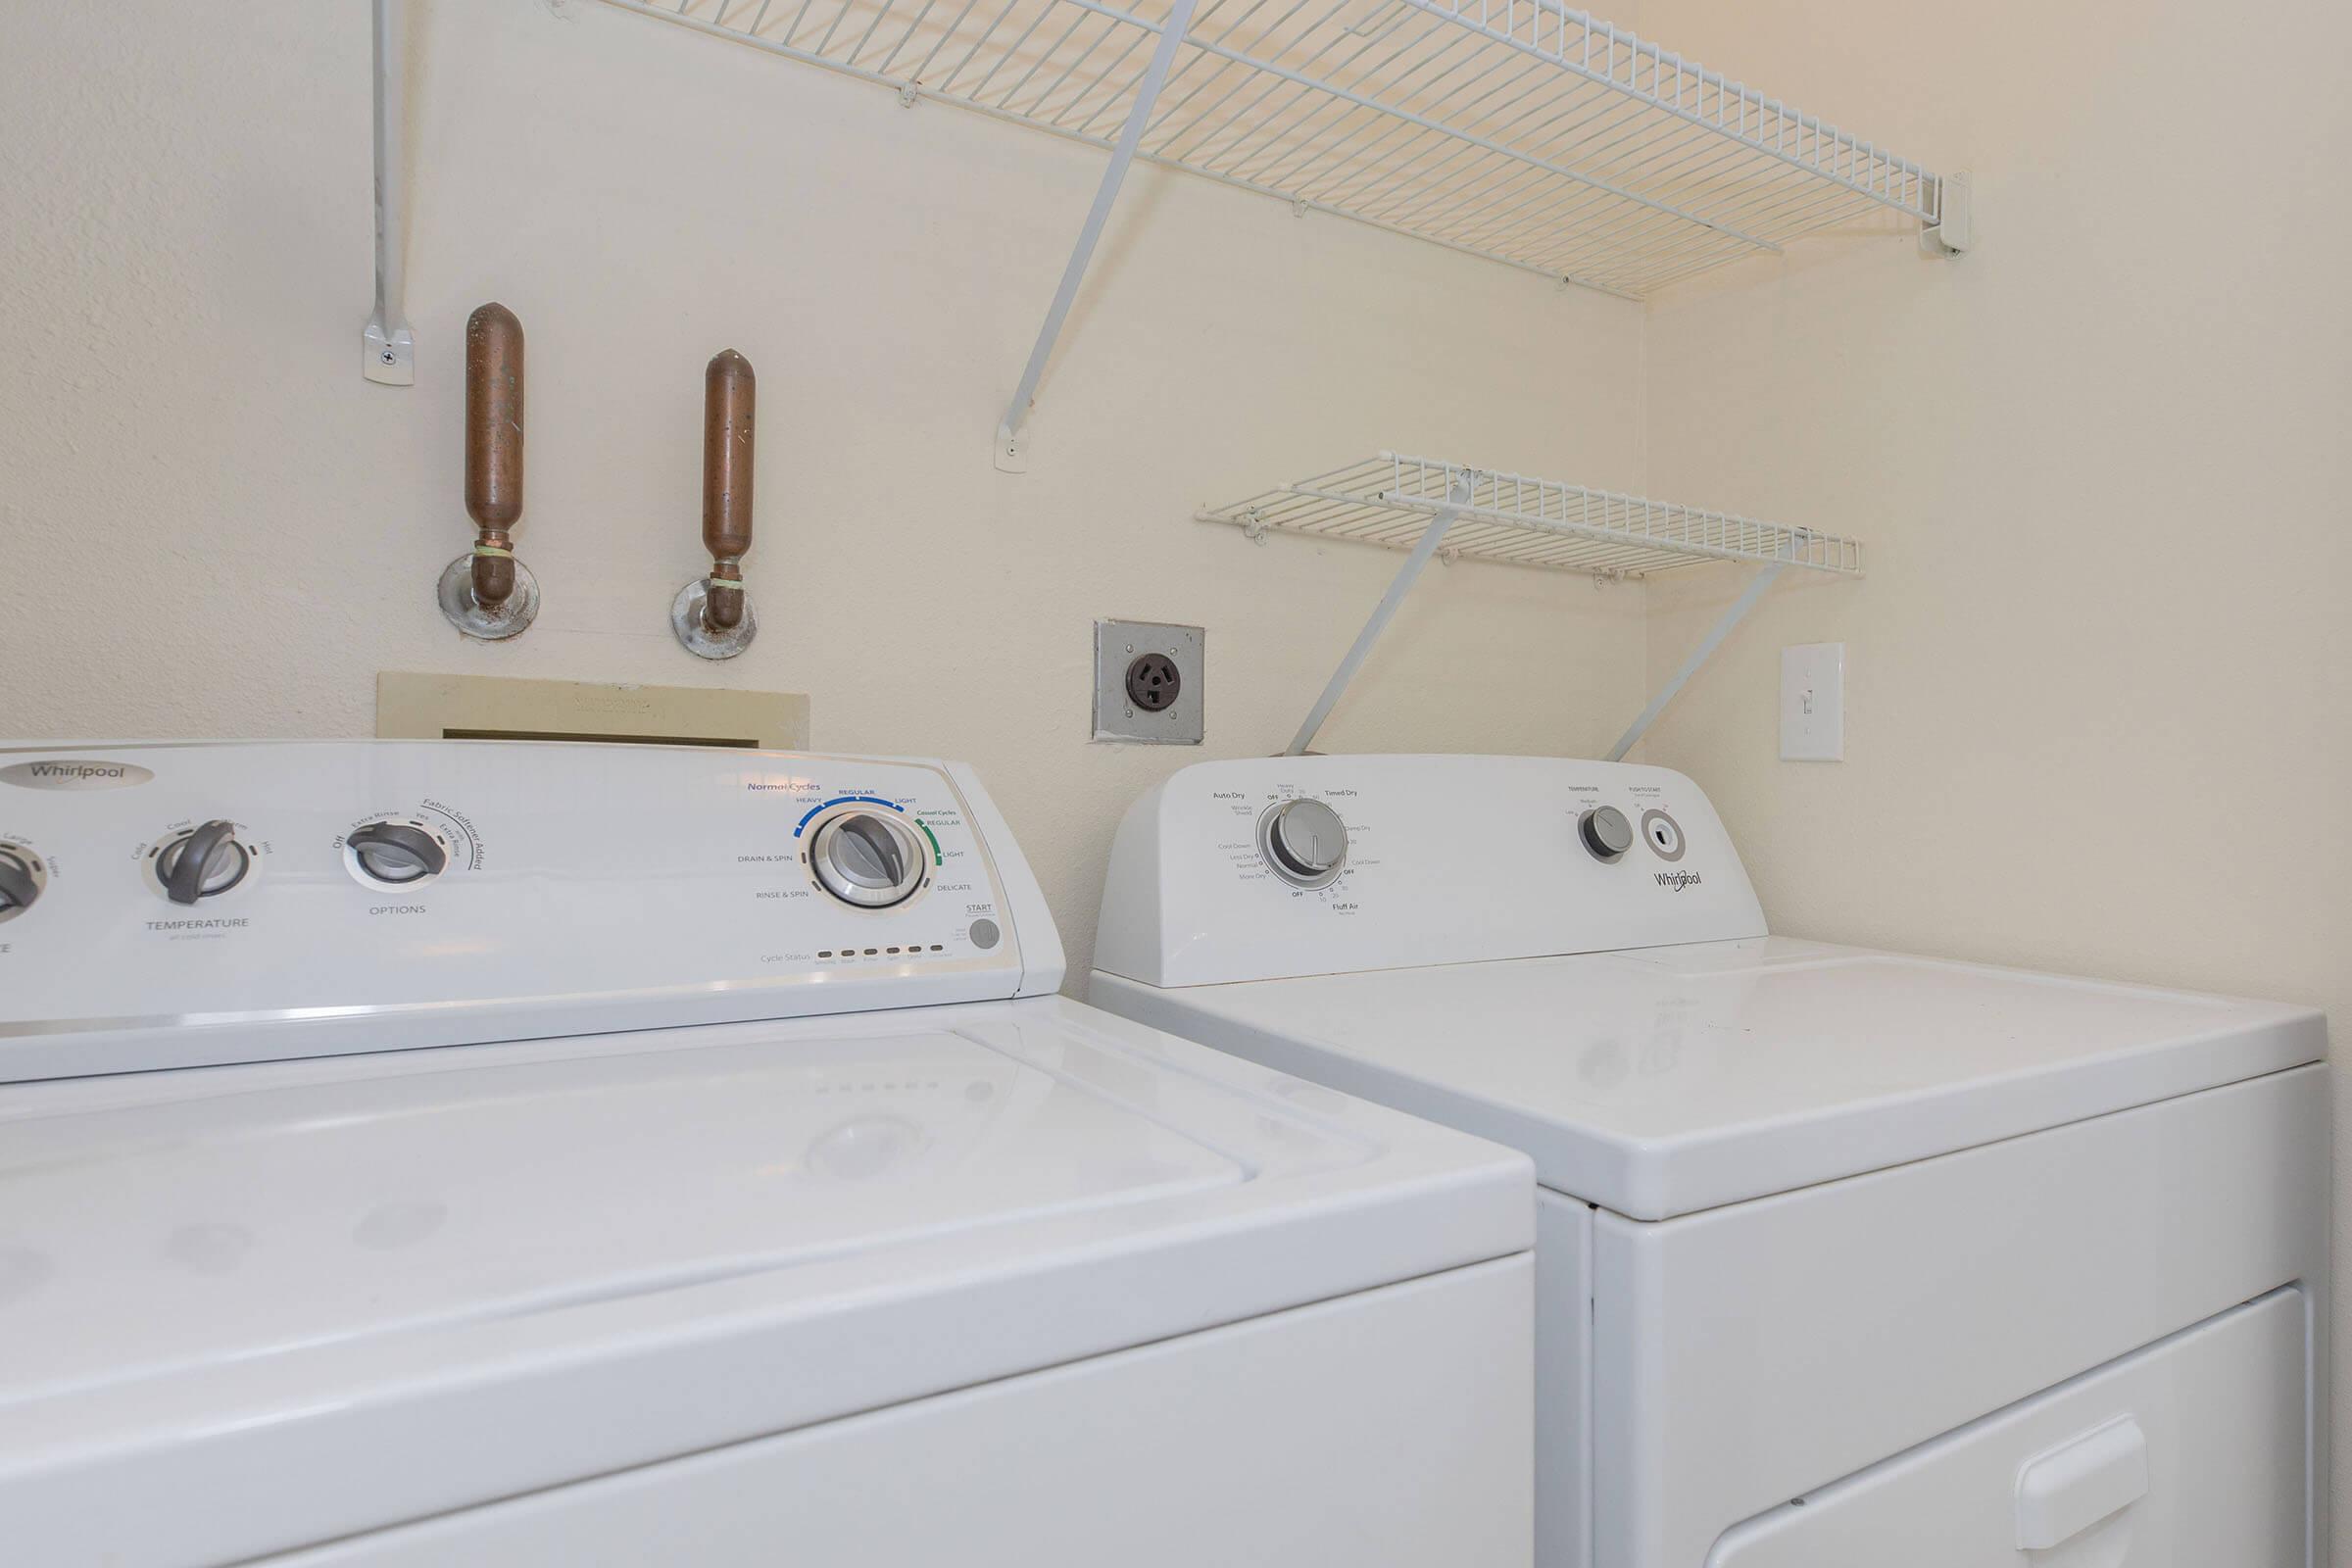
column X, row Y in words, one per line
column 1120, row 716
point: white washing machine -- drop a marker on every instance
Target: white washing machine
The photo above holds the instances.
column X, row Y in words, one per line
column 763, row 1204
column 1846, row 1259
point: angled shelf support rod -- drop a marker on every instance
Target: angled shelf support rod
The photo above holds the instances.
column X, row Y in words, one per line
column 1730, row 618
column 1457, row 496
column 1011, row 451
column 389, row 348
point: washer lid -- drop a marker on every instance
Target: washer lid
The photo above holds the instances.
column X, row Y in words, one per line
column 326, row 1296
column 1673, row 1079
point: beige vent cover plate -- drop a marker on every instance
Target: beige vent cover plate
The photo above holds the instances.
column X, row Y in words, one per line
column 410, row 706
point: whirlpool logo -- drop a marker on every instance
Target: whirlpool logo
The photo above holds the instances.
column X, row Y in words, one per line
column 74, row 773
column 1678, row 880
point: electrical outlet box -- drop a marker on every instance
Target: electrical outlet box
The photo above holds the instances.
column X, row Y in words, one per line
column 1813, row 702
column 1148, row 682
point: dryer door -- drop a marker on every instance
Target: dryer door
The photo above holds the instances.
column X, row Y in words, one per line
column 2191, row 1452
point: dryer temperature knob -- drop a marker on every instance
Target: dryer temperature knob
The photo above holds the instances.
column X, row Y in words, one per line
column 1605, row 832
column 20, row 881
column 1304, row 842
column 202, row 864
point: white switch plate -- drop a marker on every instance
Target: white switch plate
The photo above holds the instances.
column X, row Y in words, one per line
column 1813, row 702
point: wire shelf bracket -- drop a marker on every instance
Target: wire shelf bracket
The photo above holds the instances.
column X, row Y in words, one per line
column 1011, row 452
column 1521, row 131
column 1954, row 230
column 389, row 348
column 1436, row 509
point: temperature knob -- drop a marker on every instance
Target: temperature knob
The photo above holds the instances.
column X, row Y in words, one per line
column 1304, row 842
column 868, row 859
column 1605, row 832
column 397, row 854
column 21, row 881
column 202, row 864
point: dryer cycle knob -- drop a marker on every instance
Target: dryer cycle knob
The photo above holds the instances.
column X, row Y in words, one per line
column 202, row 864
column 20, row 882
column 1304, row 842
column 866, row 860
column 1605, row 832
column 396, row 854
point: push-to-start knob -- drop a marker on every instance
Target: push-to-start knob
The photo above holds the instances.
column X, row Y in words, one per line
column 21, row 881
column 203, row 863
column 1605, row 832
column 397, row 854
column 1304, row 842
column 868, row 859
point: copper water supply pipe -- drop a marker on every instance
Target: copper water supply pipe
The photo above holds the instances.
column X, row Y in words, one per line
column 493, row 446
column 730, row 402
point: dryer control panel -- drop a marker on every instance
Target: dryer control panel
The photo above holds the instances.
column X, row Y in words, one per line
column 176, row 904
column 1256, row 869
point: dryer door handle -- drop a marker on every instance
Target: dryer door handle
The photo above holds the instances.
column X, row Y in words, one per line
column 2066, row 1491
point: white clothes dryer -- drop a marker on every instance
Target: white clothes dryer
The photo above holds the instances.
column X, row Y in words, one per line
column 1846, row 1259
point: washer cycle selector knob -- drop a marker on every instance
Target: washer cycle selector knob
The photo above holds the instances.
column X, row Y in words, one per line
column 1605, row 832
column 20, row 881
column 1304, row 842
column 866, row 858
column 397, row 854
column 202, row 864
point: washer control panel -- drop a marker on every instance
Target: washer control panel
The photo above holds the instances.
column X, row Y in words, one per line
column 176, row 904
column 1259, row 868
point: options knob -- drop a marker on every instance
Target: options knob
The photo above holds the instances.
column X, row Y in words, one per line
column 21, row 881
column 397, row 854
column 1304, row 842
column 868, row 859
column 202, row 864
column 1605, row 832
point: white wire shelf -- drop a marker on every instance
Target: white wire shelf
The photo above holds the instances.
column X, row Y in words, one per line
column 1513, row 130
column 1391, row 500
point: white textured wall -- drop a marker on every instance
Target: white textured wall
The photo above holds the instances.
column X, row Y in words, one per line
column 185, row 210
column 2099, row 710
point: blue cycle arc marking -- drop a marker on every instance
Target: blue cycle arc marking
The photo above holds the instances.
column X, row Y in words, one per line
column 844, row 800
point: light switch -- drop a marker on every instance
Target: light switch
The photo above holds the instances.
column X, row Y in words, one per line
column 1813, row 702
